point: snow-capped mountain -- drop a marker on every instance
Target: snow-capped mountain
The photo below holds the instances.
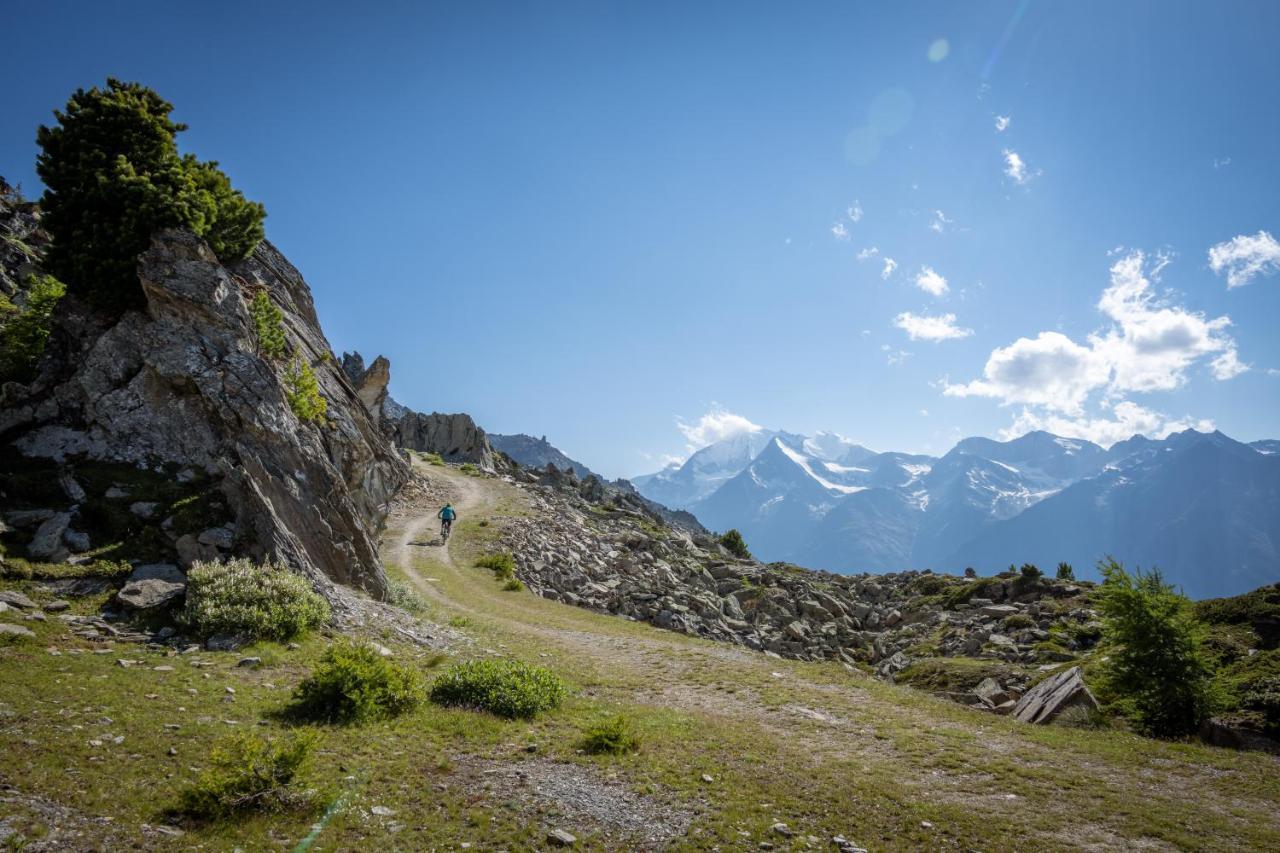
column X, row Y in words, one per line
column 1202, row 507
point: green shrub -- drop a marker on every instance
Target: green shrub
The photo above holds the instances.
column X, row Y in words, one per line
column 612, row 737
column 1155, row 668
column 513, row 585
column 1065, row 572
column 502, row 564
column 405, row 597
column 735, row 544
column 268, row 325
column 469, row 469
column 506, row 688
column 241, row 597
column 1030, row 571
column 250, row 773
column 16, row 568
column 356, row 684
column 303, row 392
column 1015, row 621
column 26, row 331
column 113, row 178
column 433, row 459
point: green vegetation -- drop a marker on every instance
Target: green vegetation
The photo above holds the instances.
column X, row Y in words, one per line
column 242, row 597
column 612, row 737
column 433, row 459
column 507, row 688
column 354, row 683
column 403, row 596
column 1156, row 671
column 16, row 568
column 250, row 773
column 303, row 392
column 1065, row 572
column 1030, row 572
column 502, row 564
column 24, row 332
column 469, row 469
column 1014, row 621
column 512, row 585
column 114, row 177
column 735, row 545
column 268, row 325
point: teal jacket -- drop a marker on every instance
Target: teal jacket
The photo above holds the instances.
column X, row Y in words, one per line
column 447, row 514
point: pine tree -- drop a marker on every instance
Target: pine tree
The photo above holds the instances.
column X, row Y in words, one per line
column 735, row 544
column 267, row 325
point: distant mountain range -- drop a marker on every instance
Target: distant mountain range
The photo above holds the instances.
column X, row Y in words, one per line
column 1202, row 507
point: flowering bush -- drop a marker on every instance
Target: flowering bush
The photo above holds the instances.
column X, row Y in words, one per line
column 242, row 597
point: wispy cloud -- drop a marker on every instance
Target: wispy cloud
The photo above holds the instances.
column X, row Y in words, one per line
column 1127, row 419
column 855, row 211
column 1016, row 168
column 889, row 266
column 839, row 231
column 1245, row 257
column 930, row 281
column 940, row 222
column 1002, row 123
column 923, row 327
column 894, row 357
column 868, row 253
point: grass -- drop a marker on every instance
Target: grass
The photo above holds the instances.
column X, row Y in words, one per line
column 612, row 737
column 888, row 758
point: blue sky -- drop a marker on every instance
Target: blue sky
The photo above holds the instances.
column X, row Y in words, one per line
column 634, row 228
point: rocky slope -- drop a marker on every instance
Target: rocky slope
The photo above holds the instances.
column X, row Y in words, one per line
column 538, row 453
column 176, row 400
column 592, row 553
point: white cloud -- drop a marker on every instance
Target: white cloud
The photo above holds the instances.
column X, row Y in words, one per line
column 921, row 327
column 839, row 231
column 940, row 222
column 1049, row 370
column 1149, row 345
column 715, row 425
column 930, row 281
column 894, row 356
column 1128, row 419
column 855, row 212
column 889, row 266
column 1002, row 123
column 1245, row 257
column 1227, row 366
column 868, row 253
column 1016, row 168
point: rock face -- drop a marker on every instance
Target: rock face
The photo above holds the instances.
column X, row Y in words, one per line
column 182, row 384
column 455, row 437
column 1053, row 696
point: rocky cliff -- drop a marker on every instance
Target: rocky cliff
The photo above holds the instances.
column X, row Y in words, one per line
column 179, row 393
column 455, row 437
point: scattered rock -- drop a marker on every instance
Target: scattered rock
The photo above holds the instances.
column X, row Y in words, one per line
column 144, row 509
column 153, row 585
column 57, row 605
column 219, row 537
column 7, row 629
column 225, row 642
column 47, row 543
column 560, row 838
column 16, row 599
column 250, row 662
column 1056, row 694
column 115, row 493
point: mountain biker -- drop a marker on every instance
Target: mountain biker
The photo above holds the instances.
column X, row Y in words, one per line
column 446, row 516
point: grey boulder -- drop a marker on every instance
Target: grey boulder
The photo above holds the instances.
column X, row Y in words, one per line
column 153, row 585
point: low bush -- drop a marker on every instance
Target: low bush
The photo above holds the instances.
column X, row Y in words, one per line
column 242, row 597
column 403, row 596
column 433, row 459
column 735, row 544
column 356, row 684
column 250, row 773
column 507, row 688
column 23, row 333
column 612, row 737
column 1030, row 571
column 1065, row 572
column 1015, row 621
column 469, row 469
column 502, row 564
column 513, row 585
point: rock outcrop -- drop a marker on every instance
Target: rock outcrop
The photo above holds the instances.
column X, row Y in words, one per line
column 182, row 386
column 456, row 438
column 1060, row 693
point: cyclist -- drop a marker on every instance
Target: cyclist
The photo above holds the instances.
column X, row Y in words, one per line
column 446, row 516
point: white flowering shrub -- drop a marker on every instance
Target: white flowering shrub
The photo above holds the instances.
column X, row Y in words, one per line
column 242, row 597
